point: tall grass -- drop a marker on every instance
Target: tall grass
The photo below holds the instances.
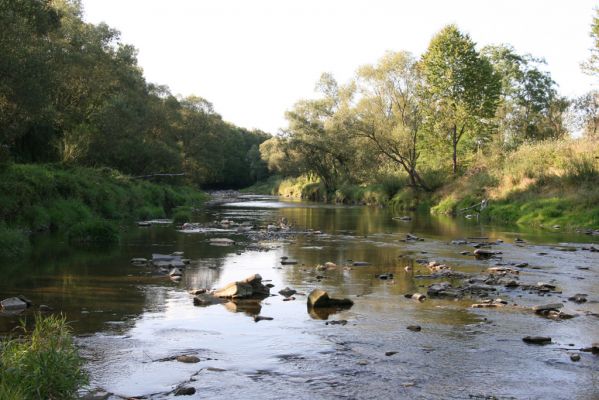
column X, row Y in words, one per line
column 42, row 364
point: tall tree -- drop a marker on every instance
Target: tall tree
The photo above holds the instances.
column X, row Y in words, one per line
column 389, row 112
column 591, row 65
column 460, row 87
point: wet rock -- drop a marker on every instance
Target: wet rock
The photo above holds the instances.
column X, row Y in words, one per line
column 545, row 285
column 594, row 348
column 578, row 298
column 414, row 328
column 384, row 277
column 360, row 263
column 414, row 238
column 575, row 357
column 205, row 299
column 185, row 391
column 222, row 242
column 25, row 300
column 482, row 253
column 175, row 272
column 418, row 297
column 320, row 299
column 195, row 292
column 442, row 289
column 464, row 253
column 287, row 292
column 459, row 242
column 13, row 304
column 390, row 353
column 259, row 318
column 45, row 308
column 288, row 262
column 547, row 307
column 541, row 340
column 342, row 322
column 403, row 218
column 177, row 253
column 502, row 271
column 330, row 265
column 139, row 261
column 187, row 359
column 167, row 261
column 250, row 287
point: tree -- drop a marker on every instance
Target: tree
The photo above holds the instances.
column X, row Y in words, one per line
column 529, row 104
column 390, row 111
column 460, row 87
column 591, row 66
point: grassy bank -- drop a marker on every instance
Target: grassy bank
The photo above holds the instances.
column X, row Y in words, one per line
column 540, row 184
column 83, row 202
column 41, row 364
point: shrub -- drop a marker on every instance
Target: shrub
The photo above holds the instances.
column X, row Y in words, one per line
column 44, row 364
column 13, row 242
column 182, row 215
column 93, row 231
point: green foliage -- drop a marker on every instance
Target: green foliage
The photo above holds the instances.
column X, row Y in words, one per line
column 13, row 242
column 182, row 215
column 93, row 231
column 44, row 364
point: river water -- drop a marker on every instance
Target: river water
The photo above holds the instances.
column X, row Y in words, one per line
column 130, row 322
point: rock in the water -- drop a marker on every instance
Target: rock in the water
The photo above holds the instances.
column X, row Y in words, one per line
column 13, row 304
column 330, row 265
column 288, row 262
column 185, row 391
column 442, row 289
column 188, row 359
column 414, row 328
column 222, row 242
column 250, row 287
column 320, row 299
column 537, row 339
column 167, row 261
column 287, row 292
column 259, row 318
column 175, row 272
column 578, row 298
column 360, row 263
column 418, row 297
column 482, row 253
column 575, row 357
column 390, row 353
column 139, row 261
column 547, row 307
column 45, row 308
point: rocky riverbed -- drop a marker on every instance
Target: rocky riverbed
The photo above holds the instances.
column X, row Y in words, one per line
column 430, row 308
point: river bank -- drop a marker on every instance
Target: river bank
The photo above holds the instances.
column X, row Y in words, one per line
column 544, row 184
column 132, row 322
column 38, row 198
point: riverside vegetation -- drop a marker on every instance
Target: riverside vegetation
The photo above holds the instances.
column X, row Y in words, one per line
column 444, row 131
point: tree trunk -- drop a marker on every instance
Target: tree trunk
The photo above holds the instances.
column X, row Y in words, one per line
column 454, row 143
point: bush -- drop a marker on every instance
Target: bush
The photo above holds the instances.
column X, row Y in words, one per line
column 42, row 365
column 14, row 244
column 93, row 231
column 182, row 215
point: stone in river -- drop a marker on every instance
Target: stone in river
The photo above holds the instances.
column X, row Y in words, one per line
column 320, row 299
column 360, row 263
column 287, row 292
column 537, row 340
column 418, row 297
column 547, row 307
column 175, row 272
column 204, row 299
column 188, row 359
column 390, row 353
column 250, row 287
column 185, row 391
column 13, row 304
column 222, row 242
column 259, row 318
column 482, row 253
column 414, row 328
column 45, row 308
column 575, row 357
column 578, row 298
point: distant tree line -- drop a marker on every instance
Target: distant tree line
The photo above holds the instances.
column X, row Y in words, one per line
column 426, row 118
column 71, row 92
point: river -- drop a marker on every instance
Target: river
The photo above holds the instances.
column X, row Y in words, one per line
column 130, row 322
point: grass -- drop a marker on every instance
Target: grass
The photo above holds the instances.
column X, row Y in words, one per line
column 41, row 364
column 53, row 197
column 182, row 215
column 93, row 231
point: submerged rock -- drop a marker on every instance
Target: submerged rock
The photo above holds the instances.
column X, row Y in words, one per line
column 482, row 253
column 188, row 359
column 578, row 298
column 287, row 292
column 414, row 328
column 205, row 299
column 360, row 263
column 185, row 391
column 167, row 261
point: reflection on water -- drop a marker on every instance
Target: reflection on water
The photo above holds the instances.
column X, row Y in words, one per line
column 128, row 317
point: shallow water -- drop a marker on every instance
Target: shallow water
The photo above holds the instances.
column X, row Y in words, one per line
column 128, row 319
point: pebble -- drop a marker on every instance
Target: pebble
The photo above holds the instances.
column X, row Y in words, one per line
column 575, row 357
column 414, row 328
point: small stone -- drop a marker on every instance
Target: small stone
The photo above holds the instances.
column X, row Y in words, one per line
column 414, row 328
column 259, row 318
column 45, row 308
column 575, row 357
column 390, row 353
column 578, row 298
column 185, row 391
column 287, row 292
column 188, row 359
column 418, row 297
column 537, row 340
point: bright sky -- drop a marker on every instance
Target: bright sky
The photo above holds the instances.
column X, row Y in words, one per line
column 254, row 59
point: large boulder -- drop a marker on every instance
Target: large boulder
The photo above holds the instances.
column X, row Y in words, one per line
column 320, row 299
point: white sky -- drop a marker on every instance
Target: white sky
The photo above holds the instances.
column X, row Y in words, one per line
column 254, row 59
